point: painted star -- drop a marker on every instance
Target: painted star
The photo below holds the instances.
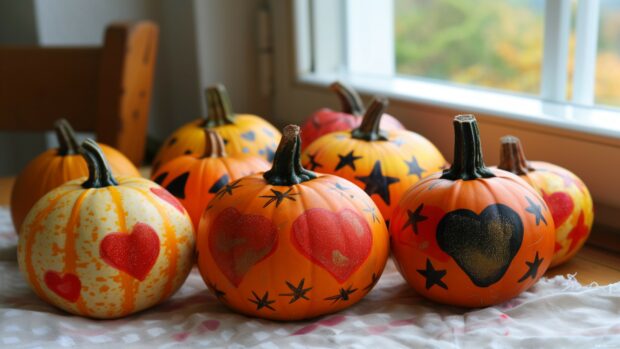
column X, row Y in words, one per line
column 340, row 189
column 343, row 295
column 263, row 302
column 298, row 292
column 219, row 294
column 533, row 268
column 219, row 184
column 414, row 167
column 228, row 189
column 278, row 197
column 373, row 211
column 398, row 142
column 347, row 160
column 372, row 283
column 414, row 218
column 536, row 210
column 578, row 233
column 433, row 277
column 312, row 164
column 377, row 183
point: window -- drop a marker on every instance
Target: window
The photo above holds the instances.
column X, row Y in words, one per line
column 608, row 59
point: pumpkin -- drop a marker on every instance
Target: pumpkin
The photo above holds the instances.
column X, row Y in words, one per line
column 326, row 120
column 106, row 246
column 383, row 163
column 195, row 181
column 566, row 195
column 291, row 244
column 243, row 134
column 56, row 166
column 471, row 236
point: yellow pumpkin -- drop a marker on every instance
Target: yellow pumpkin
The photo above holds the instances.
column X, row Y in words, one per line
column 243, row 134
column 106, row 247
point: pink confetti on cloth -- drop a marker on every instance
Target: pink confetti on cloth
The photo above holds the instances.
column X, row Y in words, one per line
column 555, row 313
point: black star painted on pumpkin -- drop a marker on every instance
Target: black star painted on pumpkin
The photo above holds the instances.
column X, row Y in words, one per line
column 176, row 187
column 347, row 160
column 414, row 218
column 372, row 283
column 219, row 294
column 263, row 302
column 278, row 197
column 533, row 268
column 373, row 211
column 221, row 182
column 312, row 164
column 414, row 167
column 377, row 183
column 340, row 189
column 228, row 189
column 298, row 292
column 343, row 295
column 536, row 210
column 433, row 277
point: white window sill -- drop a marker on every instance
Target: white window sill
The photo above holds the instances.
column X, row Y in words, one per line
column 579, row 119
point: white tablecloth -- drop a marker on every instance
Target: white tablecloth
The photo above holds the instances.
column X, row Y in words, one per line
column 555, row 313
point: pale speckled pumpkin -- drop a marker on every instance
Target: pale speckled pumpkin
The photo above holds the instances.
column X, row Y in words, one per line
column 103, row 247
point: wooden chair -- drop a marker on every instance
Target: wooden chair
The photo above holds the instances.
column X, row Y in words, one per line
column 104, row 89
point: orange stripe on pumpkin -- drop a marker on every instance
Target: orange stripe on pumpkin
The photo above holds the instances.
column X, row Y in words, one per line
column 70, row 248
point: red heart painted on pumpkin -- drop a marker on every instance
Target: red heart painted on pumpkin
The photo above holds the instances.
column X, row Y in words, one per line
column 133, row 253
column 561, row 206
column 238, row 241
column 169, row 198
column 67, row 286
column 337, row 241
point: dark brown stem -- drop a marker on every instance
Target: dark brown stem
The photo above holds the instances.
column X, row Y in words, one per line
column 287, row 169
column 369, row 129
column 68, row 145
column 214, row 145
column 468, row 163
column 219, row 110
column 512, row 157
column 350, row 101
column 99, row 172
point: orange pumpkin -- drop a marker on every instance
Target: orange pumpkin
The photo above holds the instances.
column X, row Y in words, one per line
column 383, row 163
column 106, row 247
column 325, row 120
column 243, row 134
column 291, row 244
column 471, row 236
column 195, row 181
column 566, row 195
column 56, row 166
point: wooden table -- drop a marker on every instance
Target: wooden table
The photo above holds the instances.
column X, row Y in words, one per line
column 591, row 264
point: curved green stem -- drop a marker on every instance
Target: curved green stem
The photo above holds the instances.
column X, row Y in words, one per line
column 219, row 110
column 99, row 172
column 68, row 145
column 214, row 145
column 287, row 169
column 468, row 163
column 350, row 101
column 512, row 157
column 369, row 129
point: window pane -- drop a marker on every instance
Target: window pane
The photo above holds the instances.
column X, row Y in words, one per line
column 607, row 88
column 490, row 43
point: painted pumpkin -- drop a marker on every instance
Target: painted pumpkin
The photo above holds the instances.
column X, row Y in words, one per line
column 106, row 247
column 291, row 244
column 195, row 181
column 566, row 195
column 383, row 163
column 471, row 236
column 243, row 134
column 325, row 120
column 58, row 166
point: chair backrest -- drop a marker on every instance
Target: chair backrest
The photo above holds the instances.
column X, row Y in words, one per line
column 106, row 90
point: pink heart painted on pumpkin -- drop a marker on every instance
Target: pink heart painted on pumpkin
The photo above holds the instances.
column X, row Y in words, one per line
column 337, row 241
column 238, row 241
column 133, row 253
column 561, row 206
column 169, row 198
column 66, row 285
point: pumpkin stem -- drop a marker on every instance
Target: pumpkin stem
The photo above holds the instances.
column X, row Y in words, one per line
column 99, row 172
column 468, row 163
column 350, row 101
column 512, row 157
column 219, row 110
column 287, row 169
column 214, row 145
column 68, row 145
column 369, row 129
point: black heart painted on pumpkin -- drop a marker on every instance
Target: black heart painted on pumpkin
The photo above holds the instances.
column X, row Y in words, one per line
column 176, row 187
column 482, row 245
